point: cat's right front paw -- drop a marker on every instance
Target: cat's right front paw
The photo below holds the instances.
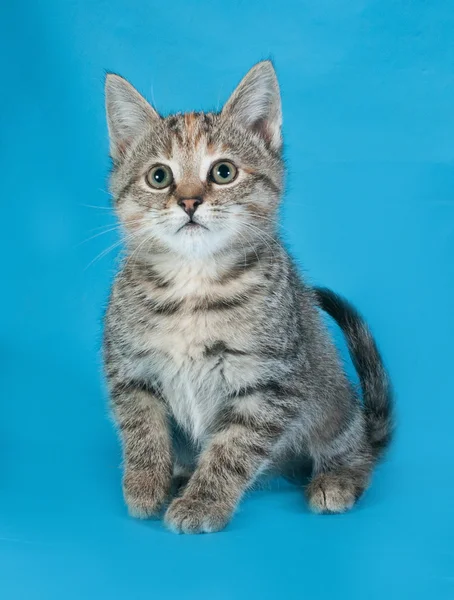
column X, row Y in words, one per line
column 145, row 492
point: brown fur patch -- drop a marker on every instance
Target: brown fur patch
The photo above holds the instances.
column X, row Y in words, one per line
column 168, row 149
column 190, row 121
column 134, row 220
column 255, row 209
column 198, row 136
column 190, row 189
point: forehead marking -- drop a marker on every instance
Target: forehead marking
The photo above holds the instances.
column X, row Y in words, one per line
column 190, row 121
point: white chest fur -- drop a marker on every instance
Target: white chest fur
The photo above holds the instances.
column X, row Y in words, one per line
column 194, row 380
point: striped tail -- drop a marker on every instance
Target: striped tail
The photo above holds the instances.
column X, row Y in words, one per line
column 374, row 380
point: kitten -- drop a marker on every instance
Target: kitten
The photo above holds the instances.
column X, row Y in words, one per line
column 218, row 363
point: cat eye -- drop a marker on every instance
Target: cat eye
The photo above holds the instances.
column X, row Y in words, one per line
column 223, row 172
column 159, row 177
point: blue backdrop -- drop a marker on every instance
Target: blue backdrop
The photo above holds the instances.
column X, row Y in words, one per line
column 368, row 98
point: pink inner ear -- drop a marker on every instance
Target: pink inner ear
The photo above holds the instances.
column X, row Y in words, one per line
column 261, row 126
column 122, row 146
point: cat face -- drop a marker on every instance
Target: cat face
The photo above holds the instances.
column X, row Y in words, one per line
column 197, row 183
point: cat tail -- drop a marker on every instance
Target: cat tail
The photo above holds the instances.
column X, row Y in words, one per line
column 374, row 380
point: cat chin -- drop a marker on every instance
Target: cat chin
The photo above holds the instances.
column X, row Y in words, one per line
column 197, row 242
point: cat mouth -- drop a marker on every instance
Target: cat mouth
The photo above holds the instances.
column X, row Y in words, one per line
column 191, row 226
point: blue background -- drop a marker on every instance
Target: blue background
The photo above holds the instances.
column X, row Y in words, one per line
column 368, row 97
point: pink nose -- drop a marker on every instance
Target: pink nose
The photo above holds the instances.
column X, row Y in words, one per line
column 189, row 205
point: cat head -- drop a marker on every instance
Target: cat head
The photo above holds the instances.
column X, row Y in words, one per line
column 197, row 183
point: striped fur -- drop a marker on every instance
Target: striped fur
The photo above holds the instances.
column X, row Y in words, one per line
column 218, row 363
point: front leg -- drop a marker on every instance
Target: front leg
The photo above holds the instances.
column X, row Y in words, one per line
column 232, row 460
column 142, row 420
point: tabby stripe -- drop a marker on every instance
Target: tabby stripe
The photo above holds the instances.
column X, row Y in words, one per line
column 221, row 348
column 267, row 181
column 223, row 463
column 272, row 386
column 248, row 262
column 228, row 303
column 154, row 277
column 120, row 389
column 222, row 304
column 269, row 429
column 124, row 191
column 166, row 309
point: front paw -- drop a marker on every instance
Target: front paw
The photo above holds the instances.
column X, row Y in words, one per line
column 145, row 492
column 190, row 514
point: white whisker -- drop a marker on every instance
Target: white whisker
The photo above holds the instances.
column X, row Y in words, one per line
column 108, row 229
column 118, row 243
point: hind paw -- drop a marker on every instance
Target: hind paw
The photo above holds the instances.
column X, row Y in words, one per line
column 329, row 493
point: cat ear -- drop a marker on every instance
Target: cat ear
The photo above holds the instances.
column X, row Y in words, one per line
column 128, row 113
column 256, row 103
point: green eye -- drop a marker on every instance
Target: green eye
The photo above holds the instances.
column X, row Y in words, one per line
column 223, row 172
column 159, row 177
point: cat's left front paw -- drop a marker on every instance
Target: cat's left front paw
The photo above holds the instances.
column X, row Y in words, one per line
column 194, row 515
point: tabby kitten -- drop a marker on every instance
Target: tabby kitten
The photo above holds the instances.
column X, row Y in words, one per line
column 217, row 360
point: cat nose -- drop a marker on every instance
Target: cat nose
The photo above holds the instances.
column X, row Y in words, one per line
column 189, row 205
